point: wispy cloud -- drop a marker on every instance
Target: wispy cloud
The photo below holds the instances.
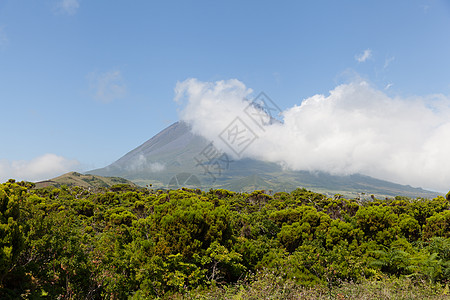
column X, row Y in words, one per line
column 364, row 56
column 4, row 41
column 355, row 129
column 40, row 168
column 67, row 7
column 140, row 163
column 107, row 86
column 425, row 8
column 277, row 77
column 388, row 61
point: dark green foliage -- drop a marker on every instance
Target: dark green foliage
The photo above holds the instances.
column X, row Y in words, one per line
column 438, row 225
column 409, row 227
column 378, row 223
column 128, row 242
column 11, row 230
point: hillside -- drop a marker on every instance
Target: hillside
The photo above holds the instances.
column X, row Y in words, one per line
column 136, row 243
column 83, row 180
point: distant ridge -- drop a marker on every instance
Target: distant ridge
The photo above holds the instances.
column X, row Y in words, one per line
column 173, row 151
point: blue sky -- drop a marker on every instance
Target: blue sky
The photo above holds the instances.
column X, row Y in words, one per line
column 84, row 82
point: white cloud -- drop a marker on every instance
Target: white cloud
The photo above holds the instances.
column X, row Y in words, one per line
column 157, row 167
column 364, row 56
column 43, row 167
column 354, row 129
column 140, row 163
column 388, row 86
column 68, row 7
column 107, row 86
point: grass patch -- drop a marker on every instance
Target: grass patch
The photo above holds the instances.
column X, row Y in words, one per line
column 270, row 286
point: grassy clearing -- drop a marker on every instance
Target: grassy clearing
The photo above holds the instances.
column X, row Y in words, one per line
column 269, row 286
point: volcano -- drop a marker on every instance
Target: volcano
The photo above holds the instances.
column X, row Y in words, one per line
column 176, row 157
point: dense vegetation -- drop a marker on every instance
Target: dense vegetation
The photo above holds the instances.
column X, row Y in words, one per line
column 127, row 242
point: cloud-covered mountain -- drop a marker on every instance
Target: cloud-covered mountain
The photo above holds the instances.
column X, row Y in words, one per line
column 177, row 157
column 356, row 128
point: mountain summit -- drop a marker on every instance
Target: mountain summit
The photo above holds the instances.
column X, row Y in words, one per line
column 176, row 157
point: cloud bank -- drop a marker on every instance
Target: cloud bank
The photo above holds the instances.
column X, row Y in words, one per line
column 354, row 129
column 40, row 168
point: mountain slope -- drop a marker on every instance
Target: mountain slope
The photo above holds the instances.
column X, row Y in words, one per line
column 177, row 150
column 168, row 153
column 88, row 181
